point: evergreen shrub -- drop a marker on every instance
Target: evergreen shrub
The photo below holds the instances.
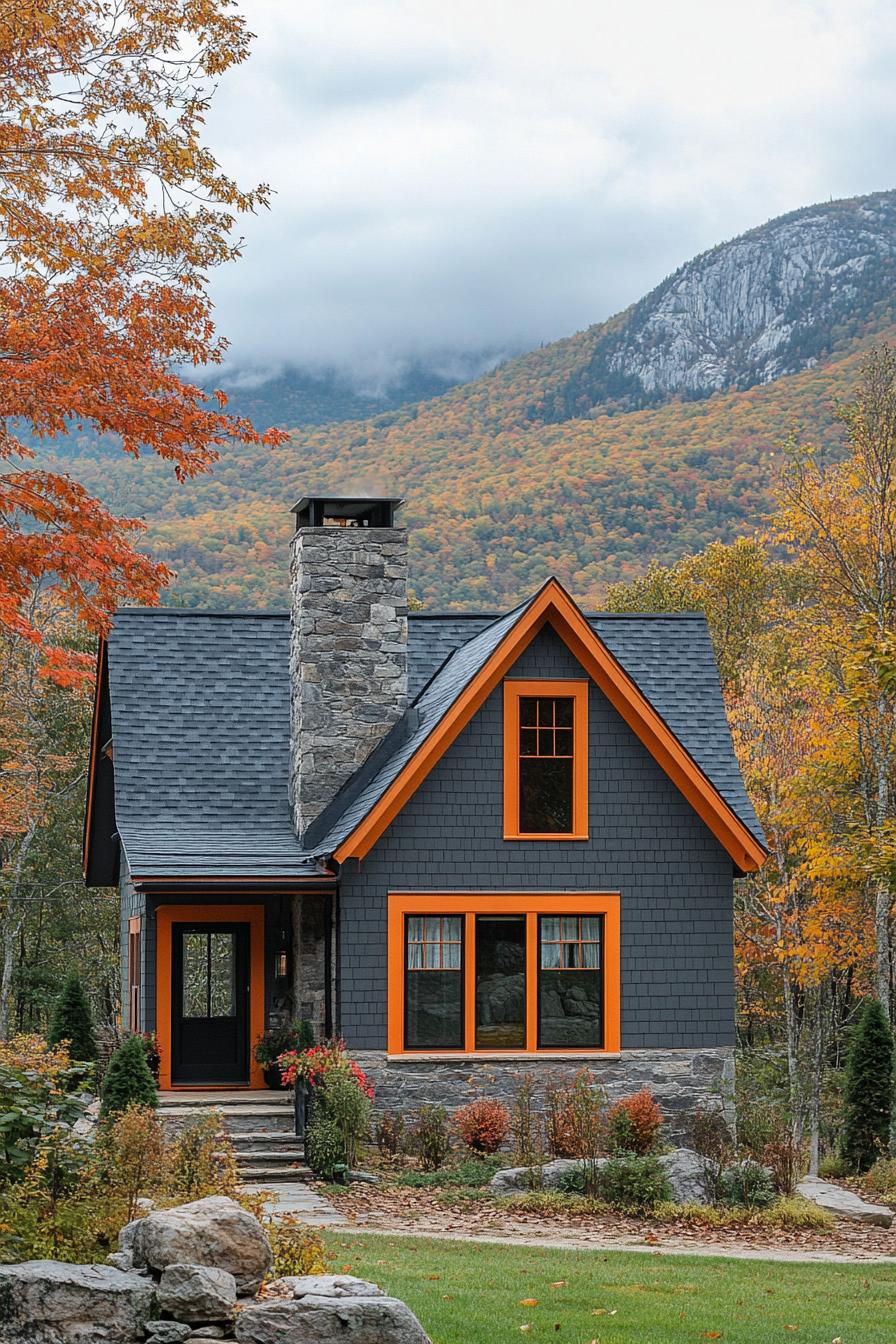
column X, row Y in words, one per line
column 73, row 1022
column 128, row 1081
column 867, row 1089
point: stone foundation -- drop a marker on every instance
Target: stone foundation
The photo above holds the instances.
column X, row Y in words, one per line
column 680, row 1080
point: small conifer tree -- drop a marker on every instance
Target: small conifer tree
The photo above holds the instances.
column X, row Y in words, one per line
column 73, row 1021
column 128, row 1081
column 867, row 1089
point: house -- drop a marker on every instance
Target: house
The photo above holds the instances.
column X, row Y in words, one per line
column 473, row 845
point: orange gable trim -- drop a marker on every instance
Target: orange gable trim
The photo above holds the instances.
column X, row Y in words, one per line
column 555, row 607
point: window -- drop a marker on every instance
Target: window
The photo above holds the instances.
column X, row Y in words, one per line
column 546, row 760
column 477, row 973
column 209, row 984
column 570, row 981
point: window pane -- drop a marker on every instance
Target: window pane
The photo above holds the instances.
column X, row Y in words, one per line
column 550, row 955
column 570, row 955
column 434, row 1010
column 452, row 928
column 222, row 980
column 545, row 712
column 563, row 742
column 550, row 928
column 452, row 956
column 195, row 988
column 591, row 928
column 415, row 956
column 528, row 742
column 563, row 711
column 415, row 929
column 528, row 716
column 434, row 929
column 545, row 796
column 570, row 926
column 545, row 742
column 570, row 1009
column 592, row 955
column 500, row 982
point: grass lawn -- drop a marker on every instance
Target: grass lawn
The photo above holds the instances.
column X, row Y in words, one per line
column 472, row 1293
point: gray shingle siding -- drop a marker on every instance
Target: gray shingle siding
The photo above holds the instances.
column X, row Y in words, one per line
column 131, row 904
column 645, row 841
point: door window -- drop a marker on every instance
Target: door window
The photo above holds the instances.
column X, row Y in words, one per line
column 209, row 979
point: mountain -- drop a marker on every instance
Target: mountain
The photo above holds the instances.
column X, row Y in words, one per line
column 642, row 438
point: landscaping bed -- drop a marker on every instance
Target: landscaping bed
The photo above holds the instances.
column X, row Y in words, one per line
column 442, row 1207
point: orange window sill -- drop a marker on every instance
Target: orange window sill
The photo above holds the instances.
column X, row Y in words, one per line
column 548, row 835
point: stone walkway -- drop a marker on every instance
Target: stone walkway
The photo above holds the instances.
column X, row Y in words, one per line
column 299, row 1198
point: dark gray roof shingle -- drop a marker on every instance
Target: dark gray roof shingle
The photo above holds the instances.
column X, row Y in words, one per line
column 200, row 719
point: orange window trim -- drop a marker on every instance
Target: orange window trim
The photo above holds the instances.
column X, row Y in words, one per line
column 530, row 904
column 514, row 691
column 166, row 916
column 554, row 606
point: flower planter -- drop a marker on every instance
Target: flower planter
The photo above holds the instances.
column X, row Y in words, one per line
column 273, row 1078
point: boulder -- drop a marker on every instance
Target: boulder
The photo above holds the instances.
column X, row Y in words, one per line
column 121, row 1260
column 44, row 1302
column 167, row 1332
column 128, row 1234
column 688, row 1176
column 553, row 1175
column 206, row 1332
column 325, row 1285
column 326, row 1320
column 214, row 1231
column 843, row 1202
column 197, row 1293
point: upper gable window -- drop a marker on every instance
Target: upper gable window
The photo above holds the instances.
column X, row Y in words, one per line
column 546, row 760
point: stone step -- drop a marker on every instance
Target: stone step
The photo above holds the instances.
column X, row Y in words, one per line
column 274, row 1139
column 258, row 1175
column 271, row 1157
column 238, row 1120
column 216, row 1099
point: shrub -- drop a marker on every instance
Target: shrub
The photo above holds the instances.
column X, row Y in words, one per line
column 881, row 1179
column 585, row 1112
column 710, row 1136
column 473, row 1174
column 784, row 1159
column 389, row 1133
column 528, row 1127
column 341, row 1100
column 297, row 1248
column 867, row 1089
column 276, row 1041
column 133, row 1156
column 128, row 1081
column 633, row 1124
column 833, row 1167
column 153, row 1054
column 201, row 1160
column 483, row 1125
column 431, row 1138
column 558, row 1122
column 747, row 1183
column 325, row 1146
column 73, row 1021
column 632, row 1183
column 35, row 1100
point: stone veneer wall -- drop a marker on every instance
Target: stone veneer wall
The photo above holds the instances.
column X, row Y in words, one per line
column 680, row 1080
column 309, row 925
column 348, row 655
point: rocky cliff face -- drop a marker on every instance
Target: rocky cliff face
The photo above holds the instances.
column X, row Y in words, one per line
column 768, row 303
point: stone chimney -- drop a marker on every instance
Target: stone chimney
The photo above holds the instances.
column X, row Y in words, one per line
column 349, row 644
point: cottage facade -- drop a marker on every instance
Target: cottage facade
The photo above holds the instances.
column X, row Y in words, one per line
column 474, row 845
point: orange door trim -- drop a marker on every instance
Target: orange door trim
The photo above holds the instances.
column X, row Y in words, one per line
column 530, row 904
column 553, row 606
column 166, row 915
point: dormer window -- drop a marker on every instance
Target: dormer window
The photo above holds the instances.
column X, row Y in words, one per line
column 545, row 760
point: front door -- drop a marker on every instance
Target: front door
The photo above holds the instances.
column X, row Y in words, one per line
column 210, row 1003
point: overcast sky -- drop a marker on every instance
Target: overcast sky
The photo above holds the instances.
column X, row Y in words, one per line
column 490, row 174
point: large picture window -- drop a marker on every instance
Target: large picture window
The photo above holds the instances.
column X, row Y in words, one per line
column 545, row 760
column 495, row 973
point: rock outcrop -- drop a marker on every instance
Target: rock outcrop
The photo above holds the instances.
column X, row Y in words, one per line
column 214, row 1231
column 44, row 1302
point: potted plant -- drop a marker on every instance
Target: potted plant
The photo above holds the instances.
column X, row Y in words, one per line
column 277, row 1041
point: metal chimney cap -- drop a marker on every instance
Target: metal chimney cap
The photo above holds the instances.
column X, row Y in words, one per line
column 356, row 510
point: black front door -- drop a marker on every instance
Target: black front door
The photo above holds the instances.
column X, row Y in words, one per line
column 210, row 1003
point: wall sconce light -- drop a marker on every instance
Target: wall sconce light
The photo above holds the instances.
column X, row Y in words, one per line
column 281, row 964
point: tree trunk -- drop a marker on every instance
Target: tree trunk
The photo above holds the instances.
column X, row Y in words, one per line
column 882, row 944
column 817, row 1067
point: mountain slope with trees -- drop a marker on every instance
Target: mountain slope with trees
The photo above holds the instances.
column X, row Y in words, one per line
column 642, row 439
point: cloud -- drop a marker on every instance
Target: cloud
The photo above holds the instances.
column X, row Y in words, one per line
column 495, row 173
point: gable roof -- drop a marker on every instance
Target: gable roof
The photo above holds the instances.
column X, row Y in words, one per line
column 199, row 706
column 357, row 817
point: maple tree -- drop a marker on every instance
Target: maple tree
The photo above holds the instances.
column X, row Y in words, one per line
column 112, row 212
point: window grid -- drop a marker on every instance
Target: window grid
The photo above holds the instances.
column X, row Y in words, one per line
column 434, row 943
column 546, row 727
column 570, row 943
